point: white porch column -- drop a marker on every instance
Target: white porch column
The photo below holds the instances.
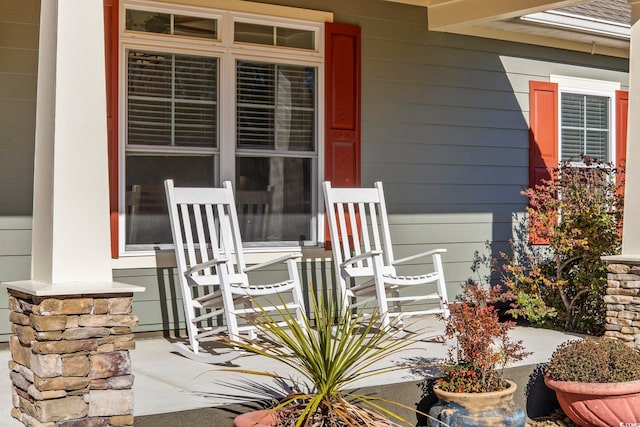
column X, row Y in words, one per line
column 631, row 228
column 71, row 241
column 70, row 218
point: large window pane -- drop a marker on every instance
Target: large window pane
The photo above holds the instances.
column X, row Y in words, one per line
column 584, row 126
column 171, row 99
column 286, row 184
column 275, row 106
column 147, row 221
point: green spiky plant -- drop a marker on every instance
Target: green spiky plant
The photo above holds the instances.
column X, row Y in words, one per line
column 339, row 349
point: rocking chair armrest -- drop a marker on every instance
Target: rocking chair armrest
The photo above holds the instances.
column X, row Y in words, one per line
column 360, row 257
column 420, row 255
column 278, row 260
column 203, row 265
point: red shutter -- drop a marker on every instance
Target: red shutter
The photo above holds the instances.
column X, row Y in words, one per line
column 543, row 136
column 622, row 113
column 543, row 133
column 111, row 62
column 342, row 106
column 342, row 102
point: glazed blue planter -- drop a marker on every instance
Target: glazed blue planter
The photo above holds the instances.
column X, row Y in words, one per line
column 491, row 409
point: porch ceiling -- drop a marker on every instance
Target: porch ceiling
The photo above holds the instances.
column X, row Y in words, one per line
column 500, row 19
column 450, row 14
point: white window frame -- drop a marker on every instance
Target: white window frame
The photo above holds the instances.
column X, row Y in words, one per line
column 224, row 48
column 584, row 86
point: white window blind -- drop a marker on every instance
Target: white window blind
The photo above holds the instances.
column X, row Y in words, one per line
column 171, row 99
column 585, row 126
column 275, row 106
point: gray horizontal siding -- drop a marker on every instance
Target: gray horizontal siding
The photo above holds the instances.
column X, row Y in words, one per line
column 18, row 71
column 445, row 154
column 159, row 307
column 15, row 261
column 440, row 135
column 15, row 242
column 18, row 74
column 425, row 93
column 452, row 175
column 443, row 115
column 446, row 193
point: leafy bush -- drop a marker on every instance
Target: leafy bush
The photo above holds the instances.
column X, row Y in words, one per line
column 590, row 360
column 483, row 349
column 562, row 284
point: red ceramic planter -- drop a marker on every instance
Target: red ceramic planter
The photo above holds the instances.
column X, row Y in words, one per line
column 262, row 418
column 599, row 404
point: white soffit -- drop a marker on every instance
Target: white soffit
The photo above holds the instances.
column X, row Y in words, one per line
column 580, row 23
column 543, row 25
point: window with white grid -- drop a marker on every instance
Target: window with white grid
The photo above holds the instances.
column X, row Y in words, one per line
column 215, row 95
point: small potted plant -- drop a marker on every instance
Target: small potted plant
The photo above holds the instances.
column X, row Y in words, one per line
column 473, row 391
column 597, row 381
column 329, row 356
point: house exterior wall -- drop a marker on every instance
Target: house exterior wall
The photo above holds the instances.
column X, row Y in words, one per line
column 18, row 68
column 444, row 126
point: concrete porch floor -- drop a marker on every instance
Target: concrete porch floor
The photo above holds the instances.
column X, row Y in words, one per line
column 171, row 390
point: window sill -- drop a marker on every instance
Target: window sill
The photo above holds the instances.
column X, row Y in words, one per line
column 166, row 258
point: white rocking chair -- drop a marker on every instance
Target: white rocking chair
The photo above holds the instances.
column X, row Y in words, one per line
column 362, row 250
column 212, row 270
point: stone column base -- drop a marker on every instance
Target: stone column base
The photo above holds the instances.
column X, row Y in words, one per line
column 70, row 362
column 623, row 300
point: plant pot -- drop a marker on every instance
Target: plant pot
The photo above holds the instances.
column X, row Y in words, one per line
column 495, row 408
column 265, row 418
column 261, row 418
column 598, row 404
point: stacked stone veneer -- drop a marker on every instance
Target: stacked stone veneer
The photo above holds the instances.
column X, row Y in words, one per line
column 71, row 364
column 623, row 301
